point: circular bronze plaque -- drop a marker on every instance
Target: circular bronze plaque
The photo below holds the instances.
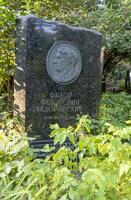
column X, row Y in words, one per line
column 64, row 62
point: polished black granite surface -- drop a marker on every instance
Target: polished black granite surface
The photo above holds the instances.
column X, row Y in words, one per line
column 38, row 97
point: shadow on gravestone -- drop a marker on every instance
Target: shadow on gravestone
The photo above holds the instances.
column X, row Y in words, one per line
column 58, row 74
column 128, row 81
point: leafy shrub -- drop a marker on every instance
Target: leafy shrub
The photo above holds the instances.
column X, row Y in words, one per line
column 97, row 167
column 115, row 108
column 112, row 18
column 2, row 103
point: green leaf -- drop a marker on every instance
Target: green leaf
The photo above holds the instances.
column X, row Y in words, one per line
column 71, row 137
column 62, row 137
column 72, row 194
column 40, row 192
column 54, row 126
column 124, row 168
column 128, row 122
column 47, row 148
column 7, row 168
column 92, row 148
column 64, row 197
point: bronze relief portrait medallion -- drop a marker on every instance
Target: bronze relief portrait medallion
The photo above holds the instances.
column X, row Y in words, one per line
column 64, row 62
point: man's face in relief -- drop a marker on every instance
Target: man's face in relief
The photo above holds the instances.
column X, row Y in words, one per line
column 63, row 59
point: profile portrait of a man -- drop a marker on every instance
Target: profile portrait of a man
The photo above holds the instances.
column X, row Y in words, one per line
column 64, row 64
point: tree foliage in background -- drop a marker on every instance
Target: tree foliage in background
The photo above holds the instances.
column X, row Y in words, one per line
column 115, row 108
column 111, row 17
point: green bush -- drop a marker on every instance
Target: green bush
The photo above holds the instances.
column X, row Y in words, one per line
column 97, row 167
column 115, row 108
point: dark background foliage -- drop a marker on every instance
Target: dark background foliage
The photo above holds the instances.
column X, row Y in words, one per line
column 110, row 17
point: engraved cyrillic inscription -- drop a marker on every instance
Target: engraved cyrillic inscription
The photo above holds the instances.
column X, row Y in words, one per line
column 58, row 102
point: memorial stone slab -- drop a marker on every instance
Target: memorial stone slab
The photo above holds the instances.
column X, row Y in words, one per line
column 58, row 74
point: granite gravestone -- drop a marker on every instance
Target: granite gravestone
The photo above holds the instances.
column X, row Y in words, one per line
column 58, row 74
